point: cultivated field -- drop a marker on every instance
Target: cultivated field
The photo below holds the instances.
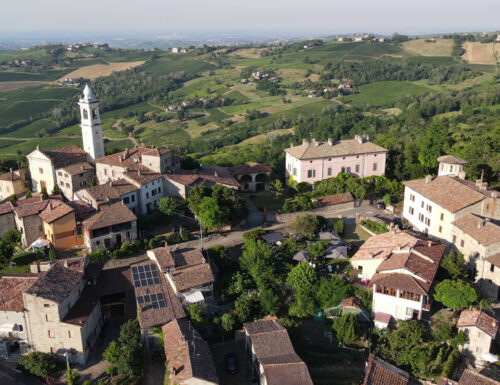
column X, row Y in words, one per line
column 479, row 53
column 97, row 70
column 442, row 47
column 7, row 86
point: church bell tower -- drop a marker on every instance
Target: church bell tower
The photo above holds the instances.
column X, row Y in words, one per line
column 91, row 124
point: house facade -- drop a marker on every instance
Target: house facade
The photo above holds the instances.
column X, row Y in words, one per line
column 432, row 204
column 13, row 182
column 315, row 161
column 75, row 177
column 59, row 225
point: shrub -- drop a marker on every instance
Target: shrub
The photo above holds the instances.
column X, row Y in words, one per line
column 39, row 364
column 376, row 227
column 338, row 226
column 52, row 255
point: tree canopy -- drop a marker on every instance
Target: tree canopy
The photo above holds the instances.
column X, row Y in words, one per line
column 455, row 294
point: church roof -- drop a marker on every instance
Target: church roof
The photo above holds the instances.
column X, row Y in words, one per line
column 88, row 93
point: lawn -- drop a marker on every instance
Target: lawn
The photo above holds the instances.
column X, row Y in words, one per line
column 379, row 94
column 22, row 263
column 355, row 235
column 267, row 201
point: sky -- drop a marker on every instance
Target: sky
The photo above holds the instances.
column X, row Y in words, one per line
column 286, row 16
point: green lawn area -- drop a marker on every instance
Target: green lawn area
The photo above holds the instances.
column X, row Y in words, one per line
column 22, row 263
column 379, row 94
column 354, row 234
column 267, row 201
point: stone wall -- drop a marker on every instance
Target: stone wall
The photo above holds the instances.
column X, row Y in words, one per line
column 326, row 211
column 7, row 222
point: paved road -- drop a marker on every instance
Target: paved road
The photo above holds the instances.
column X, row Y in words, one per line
column 8, row 376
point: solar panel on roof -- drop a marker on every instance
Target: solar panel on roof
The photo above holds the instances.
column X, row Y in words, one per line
column 157, row 300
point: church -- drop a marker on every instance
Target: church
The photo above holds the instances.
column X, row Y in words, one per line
column 69, row 167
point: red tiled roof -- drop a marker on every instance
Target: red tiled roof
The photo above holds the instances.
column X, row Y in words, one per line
column 31, row 206
column 77, row 168
column 446, row 381
column 412, row 263
column 6, row 208
column 11, row 291
column 65, row 155
column 192, row 276
column 109, row 215
column 178, row 258
column 450, row 159
column 81, row 208
column 483, row 230
column 379, row 372
column 128, row 157
column 249, row 168
column 469, row 377
column 382, row 317
column 336, row 199
column 479, row 319
column 10, row 176
column 54, row 210
column 351, row 302
column 187, row 354
column 56, row 284
column 339, row 148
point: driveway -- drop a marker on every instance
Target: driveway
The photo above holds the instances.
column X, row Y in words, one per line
column 9, row 376
column 219, row 352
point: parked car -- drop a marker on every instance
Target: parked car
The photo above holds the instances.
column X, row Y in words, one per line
column 381, row 205
column 231, row 363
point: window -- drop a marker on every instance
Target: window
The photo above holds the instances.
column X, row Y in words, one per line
column 94, row 114
column 46, row 305
column 422, row 205
column 85, row 114
column 48, row 318
column 311, row 173
column 412, row 197
column 61, row 183
column 52, row 334
column 462, row 243
column 133, row 198
column 53, row 350
column 342, row 170
column 40, row 170
column 71, row 334
column 67, row 185
column 440, row 229
column 442, row 216
column 360, row 268
column 374, row 166
column 492, row 268
column 59, row 173
column 159, row 190
column 153, row 193
column 411, row 210
column 147, row 195
column 348, row 169
column 357, row 168
column 294, row 171
column 454, row 238
column 329, row 172
column 409, row 311
column 427, row 221
column 66, row 175
column 20, row 328
column 126, row 200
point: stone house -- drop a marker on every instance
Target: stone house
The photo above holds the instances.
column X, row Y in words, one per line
column 253, row 177
column 74, row 177
column 478, row 239
column 315, row 161
column 109, row 227
column 27, row 219
column 61, row 317
column 480, row 330
column 188, row 355
column 59, row 224
column 13, row 182
column 272, row 356
column 7, row 221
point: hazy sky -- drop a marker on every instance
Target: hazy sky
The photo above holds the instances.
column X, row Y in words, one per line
column 323, row 16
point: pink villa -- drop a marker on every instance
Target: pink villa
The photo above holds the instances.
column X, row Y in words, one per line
column 315, row 161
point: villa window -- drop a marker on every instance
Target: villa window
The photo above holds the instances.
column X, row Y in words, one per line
column 442, row 216
column 360, row 269
column 374, row 166
column 85, row 114
column 329, row 172
column 440, row 229
column 342, row 169
column 462, row 243
column 133, row 198
column 492, row 268
column 48, row 318
column 294, row 171
column 71, row 334
column 454, row 238
column 311, row 173
column 357, row 168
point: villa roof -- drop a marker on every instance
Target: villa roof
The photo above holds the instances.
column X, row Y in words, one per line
column 380, row 372
column 109, row 215
column 339, row 148
column 249, row 168
column 479, row 319
column 31, row 206
column 402, row 282
column 449, row 192
column 187, row 354
column 483, row 230
column 56, row 284
column 178, row 258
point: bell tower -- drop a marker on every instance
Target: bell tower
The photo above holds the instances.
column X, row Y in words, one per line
column 91, row 124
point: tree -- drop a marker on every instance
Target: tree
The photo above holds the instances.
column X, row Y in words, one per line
column 11, row 236
column 6, row 252
column 239, row 283
column 277, row 188
column 195, row 314
column 331, row 291
column 56, row 190
column 44, row 193
column 167, row 206
column 346, row 328
column 112, row 353
column 454, row 264
column 432, row 145
column 181, row 114
column 302, row 278
column 269, row 302
column 130, row 361
column 13, row 198
column 72, row 377
column 338, row 225
column 211, row 214
column 39, row 364
column 258, row 260
column 387, row 200
column 306, row 225
column 52, row 255
column 227, row 322
column 242, row 307
column 301, row 308
column 455, row 294
column 28, row 194
column 317, row 250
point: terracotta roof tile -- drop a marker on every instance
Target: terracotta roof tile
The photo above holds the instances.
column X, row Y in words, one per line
column 109, row 215
column 142, row 175
column 353, row 302
column 6, row 208
column 30, row 208
column 446, row 381
column 379, row 372
column 340, row 148
column 54, row 210
column 131, row 158
column 81, row 208
column 412, row 263
column 483, row 230
column 450, row 159
column 449, row 192
column 249, row 168
column 65, row 155
column 77, row 168
column 10, row 176
column 494, row 259
column 479, row 319
column 336, row 199
column 469, row 377
column 187, row 354
column 56, row 284
column 192, row 276
column 402, row 282
column 11, row 291
column 178, row 258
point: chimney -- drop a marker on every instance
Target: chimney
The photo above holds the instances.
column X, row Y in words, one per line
column 291, row 144
column 461, row 174
column 305, row 142
column 359, row 139
column 313, row 140
column 479, row 182
column 484, row 186
column 330, row 141
column 216, row 174
column 428, row 179
column 481, row 224
column 429, row 243
column 366, row 138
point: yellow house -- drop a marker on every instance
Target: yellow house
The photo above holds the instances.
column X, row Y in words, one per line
column 59, row 225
